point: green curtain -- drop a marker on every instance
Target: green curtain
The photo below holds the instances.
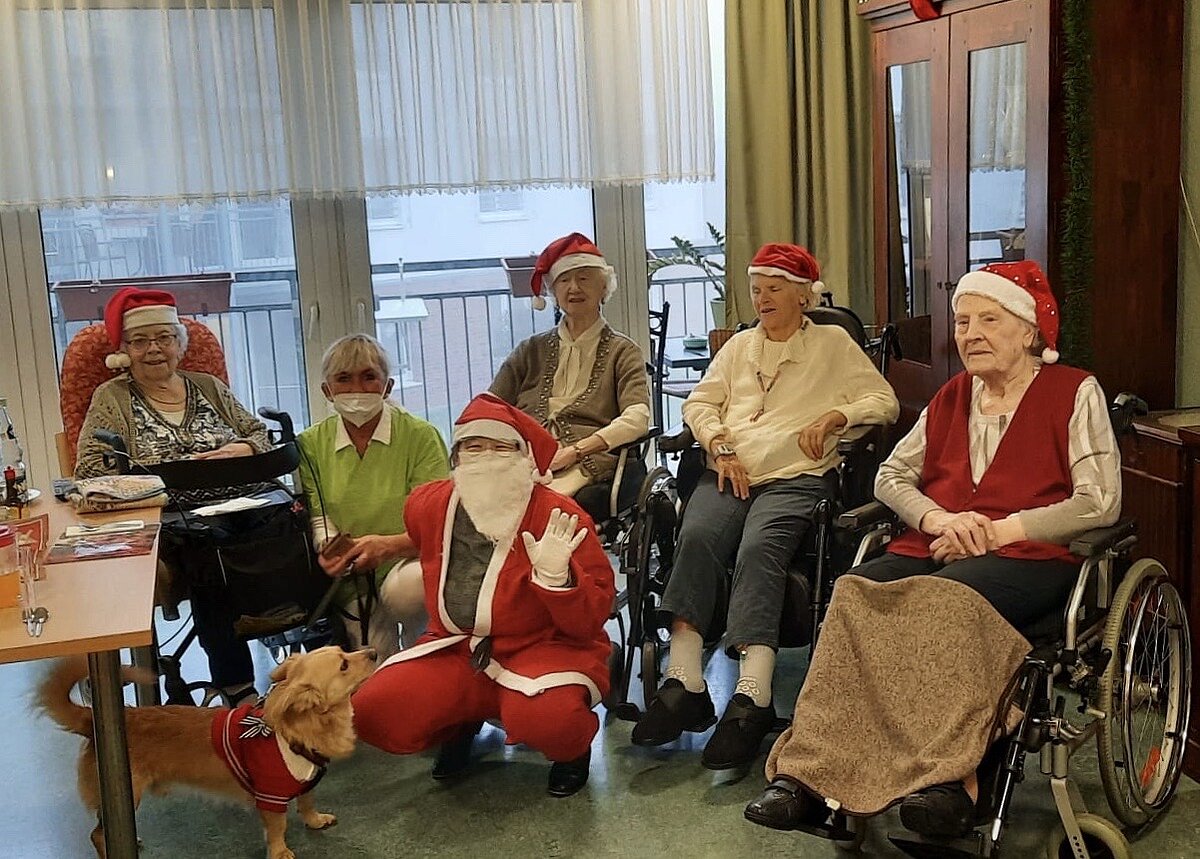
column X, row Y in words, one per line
column 798, row 137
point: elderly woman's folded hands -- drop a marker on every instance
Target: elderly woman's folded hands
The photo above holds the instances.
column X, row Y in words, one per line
column 968, row 534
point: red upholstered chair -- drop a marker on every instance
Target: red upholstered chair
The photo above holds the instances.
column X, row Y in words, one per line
column 83, row 371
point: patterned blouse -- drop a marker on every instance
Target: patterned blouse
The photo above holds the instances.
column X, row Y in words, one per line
column 202, row 429
column 159, row 440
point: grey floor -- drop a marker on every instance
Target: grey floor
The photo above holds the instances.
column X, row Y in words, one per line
column 638, row 803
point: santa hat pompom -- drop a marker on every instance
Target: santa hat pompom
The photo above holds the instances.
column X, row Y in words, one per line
column 1049, row 356
column 539, row 303
column 117, row 361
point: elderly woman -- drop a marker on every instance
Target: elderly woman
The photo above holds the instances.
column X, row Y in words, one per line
column 1011, row 461
column 583, row 381
column 163, row 413
column 358, row 467
column 767, row 414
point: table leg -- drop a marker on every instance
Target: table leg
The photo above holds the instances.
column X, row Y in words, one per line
column 146, row 694
column 112, row 755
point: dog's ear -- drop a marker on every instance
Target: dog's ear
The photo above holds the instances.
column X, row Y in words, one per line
column 303, row 696
column 281, row 671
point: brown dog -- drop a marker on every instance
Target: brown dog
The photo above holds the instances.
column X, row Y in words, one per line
column 217, row 750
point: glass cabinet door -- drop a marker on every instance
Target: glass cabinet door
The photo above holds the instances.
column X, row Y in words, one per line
column 996, row 135
column 910, row 214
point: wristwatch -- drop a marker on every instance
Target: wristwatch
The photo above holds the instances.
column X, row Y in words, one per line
column 724, row 449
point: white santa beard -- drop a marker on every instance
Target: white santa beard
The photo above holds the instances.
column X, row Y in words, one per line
column 495, row 490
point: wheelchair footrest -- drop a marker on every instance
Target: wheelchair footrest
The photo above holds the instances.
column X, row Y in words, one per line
column 970, row 846
column 828, row 831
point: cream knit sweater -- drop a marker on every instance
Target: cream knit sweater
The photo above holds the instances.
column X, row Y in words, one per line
column 820, row 368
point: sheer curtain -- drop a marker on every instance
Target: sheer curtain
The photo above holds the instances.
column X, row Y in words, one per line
column 177, row 101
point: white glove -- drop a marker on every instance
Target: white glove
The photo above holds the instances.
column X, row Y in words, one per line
column 551, row 555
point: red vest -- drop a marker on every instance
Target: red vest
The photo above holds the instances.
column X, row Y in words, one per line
column 1032, row 467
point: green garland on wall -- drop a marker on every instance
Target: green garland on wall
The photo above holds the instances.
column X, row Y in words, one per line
column 1075, row 258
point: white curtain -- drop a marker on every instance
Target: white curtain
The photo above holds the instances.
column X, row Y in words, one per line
column 148, row 101
column 996, row 101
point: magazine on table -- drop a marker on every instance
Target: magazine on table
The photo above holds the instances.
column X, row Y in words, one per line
column 81, row 543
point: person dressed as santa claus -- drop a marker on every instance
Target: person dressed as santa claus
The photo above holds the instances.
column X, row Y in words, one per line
column 518, row 590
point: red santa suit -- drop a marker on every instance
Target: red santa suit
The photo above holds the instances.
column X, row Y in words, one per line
column 536, row 658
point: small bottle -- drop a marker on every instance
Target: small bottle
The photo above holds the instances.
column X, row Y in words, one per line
column 11, row 499
column 11, row 452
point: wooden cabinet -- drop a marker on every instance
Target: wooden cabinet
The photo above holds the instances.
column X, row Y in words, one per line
column 1160, row 483
column 976, row 158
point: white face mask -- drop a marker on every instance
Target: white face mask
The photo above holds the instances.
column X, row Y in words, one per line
column 358, row 408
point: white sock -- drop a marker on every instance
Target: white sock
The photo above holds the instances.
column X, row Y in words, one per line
column 684, row 660
column 756, row 667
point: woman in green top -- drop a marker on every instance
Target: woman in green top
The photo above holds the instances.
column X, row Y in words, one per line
column 358, row 467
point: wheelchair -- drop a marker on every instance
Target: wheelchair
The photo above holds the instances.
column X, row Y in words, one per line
column 660, row 504
column 261, row 558
column 1114, row 664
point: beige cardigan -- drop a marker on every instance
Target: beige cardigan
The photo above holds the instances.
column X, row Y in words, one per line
column 111, row 409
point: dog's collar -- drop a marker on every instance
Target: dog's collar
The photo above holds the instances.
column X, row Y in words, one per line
column 313, row 757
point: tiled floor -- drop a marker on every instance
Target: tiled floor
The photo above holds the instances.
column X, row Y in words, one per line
column 639, row 802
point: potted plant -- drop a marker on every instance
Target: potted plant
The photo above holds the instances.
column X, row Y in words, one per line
column 686, row 253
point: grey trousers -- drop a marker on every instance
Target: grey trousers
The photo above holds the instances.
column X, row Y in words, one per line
column 1021, row 591
column 759, row 535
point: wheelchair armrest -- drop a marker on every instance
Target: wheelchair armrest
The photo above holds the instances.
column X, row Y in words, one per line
column 865, row 516
column 652, row 433
column 857, row 439
column 1099, row 540
column 678, row 441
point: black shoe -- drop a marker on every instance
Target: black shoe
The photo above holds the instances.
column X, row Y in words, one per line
column 739, row 735
column 455, row 756
column 568, row 777
column 785, row 805
column 941, row 811
column 673, row 711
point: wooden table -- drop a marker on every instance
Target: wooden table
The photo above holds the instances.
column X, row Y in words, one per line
column 97, row 607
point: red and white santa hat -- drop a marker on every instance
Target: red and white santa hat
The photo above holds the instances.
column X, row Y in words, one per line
column 132, row 308
column 779, row 259
column 488, row 416
column 569, row 252
column 1022, row 289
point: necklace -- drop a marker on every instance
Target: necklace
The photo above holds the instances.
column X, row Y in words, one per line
column 765, row 387
column 163, row 401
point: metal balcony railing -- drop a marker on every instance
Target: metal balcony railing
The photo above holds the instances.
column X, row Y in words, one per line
column 445, row 346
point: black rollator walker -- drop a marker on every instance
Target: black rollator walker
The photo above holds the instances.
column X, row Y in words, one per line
column 261, row 558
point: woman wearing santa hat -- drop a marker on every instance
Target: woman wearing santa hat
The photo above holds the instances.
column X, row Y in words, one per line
column 583, row 381
column 1011, row 460
column 767, row 413
column 164, row 413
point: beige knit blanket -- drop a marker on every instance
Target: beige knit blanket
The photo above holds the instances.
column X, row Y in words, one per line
column 901, row 692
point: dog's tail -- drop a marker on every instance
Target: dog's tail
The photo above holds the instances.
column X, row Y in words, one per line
column 54, row 694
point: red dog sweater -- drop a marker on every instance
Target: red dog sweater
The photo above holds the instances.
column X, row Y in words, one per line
column 250, row 749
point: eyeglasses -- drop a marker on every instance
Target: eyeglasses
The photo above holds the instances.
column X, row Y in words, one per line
column 141, row 344
column 476, row 446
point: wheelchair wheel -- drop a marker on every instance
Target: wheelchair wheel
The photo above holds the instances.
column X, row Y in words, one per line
column 1102, row 838
column 1145, row 691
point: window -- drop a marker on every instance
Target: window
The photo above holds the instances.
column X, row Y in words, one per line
column 501, row 205
column 93, row 252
